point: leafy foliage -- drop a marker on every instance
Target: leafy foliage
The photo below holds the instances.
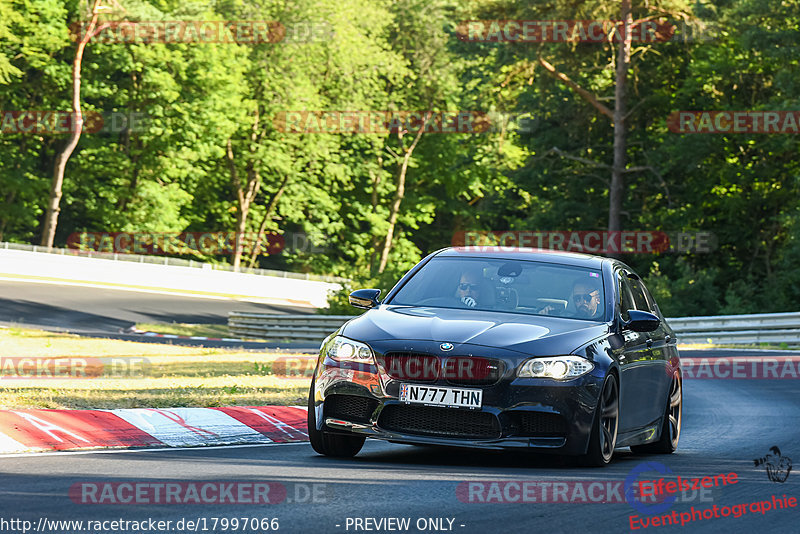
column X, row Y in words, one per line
column 170, row 170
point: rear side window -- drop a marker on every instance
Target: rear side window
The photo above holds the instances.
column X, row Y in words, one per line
column 639, row 298
column 626, row 297
column 634, row 296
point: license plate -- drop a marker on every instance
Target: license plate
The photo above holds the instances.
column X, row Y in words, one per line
column 436, row 396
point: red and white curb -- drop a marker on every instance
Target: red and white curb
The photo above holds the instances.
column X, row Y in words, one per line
column 41, row 430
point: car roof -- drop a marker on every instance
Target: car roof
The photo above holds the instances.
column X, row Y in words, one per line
column 530, row 254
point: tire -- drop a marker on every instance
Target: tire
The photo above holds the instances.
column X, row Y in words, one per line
column 327, row 443
column 671, row 425
column 604, row 429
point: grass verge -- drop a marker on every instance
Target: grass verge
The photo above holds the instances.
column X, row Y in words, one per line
column 136, row 375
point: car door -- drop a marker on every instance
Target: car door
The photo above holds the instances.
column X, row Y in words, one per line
column 644, row 371
column 637, row 368
column 663, row 347
column 663, row 340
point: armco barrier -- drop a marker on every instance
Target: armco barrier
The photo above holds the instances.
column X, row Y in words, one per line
column 739, row 329
column 280, row 327
column 773, row 328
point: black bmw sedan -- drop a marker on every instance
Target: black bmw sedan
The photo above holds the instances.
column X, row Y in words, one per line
column 545, row 351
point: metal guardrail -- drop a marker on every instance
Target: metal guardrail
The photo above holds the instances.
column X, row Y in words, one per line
column 739, row 329
column 722, row 329
column 166, row 260
column 291, row 327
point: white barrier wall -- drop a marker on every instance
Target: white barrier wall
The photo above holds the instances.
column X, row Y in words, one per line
column 170, row 278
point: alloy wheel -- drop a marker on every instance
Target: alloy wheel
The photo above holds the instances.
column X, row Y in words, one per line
column 609, row 418
column 675, row 410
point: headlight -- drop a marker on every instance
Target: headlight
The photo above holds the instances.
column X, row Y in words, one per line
column 557, row 367
column 342, row 349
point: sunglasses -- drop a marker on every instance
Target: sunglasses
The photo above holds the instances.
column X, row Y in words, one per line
column 470, row 287
column 583, row 297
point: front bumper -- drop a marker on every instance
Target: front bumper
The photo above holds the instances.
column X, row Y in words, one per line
column 517, row 413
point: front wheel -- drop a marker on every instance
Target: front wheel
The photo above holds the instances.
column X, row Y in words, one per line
column 671, row 425
column 604, row 430
column 327, row 443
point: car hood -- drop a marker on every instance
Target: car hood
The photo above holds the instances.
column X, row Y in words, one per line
column 530, row 334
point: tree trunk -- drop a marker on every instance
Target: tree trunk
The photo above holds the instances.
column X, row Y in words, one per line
column 53, row 207
column 375, row 240
column 241, row 226
column 273, row 203
column 399, row 194
column 244, row 195
column 617, row 189
column 4, row 221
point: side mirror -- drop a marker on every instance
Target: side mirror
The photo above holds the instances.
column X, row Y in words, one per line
column 365, row 298
column 641, row 321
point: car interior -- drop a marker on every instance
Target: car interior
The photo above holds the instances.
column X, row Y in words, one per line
column 518, row 286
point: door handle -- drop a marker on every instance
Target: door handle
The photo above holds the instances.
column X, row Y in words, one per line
column 649, row 343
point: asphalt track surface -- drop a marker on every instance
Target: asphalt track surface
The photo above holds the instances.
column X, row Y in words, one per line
column 107, row 312
column 727, row 424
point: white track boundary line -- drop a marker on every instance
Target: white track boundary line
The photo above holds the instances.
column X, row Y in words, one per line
column 160, row 449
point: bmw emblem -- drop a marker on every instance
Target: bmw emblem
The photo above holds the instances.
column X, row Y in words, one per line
column 446, row 346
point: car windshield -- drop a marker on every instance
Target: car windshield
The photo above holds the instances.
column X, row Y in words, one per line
column 529, row 287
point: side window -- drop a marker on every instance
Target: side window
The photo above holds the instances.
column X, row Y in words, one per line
column 626, row 297
column 650, row 300
column 639, row 298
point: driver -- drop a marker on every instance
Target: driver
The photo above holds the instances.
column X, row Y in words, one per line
column 468, row 291
column 586, row 298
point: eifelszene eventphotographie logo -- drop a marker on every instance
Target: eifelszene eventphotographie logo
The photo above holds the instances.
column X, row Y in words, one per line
column 777, row 466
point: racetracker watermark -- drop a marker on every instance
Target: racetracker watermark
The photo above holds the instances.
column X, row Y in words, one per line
column 738, row 122
column 38, row 122
column 745, row 367
column 38, row 368
column 576, row 491
column 197, row 492
column 386, row 122
column 142, row 524
column 425, row 368
column 590, row 242
column 193, row 243
column 578, row 31
column 249, row 32
column 290, row 367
